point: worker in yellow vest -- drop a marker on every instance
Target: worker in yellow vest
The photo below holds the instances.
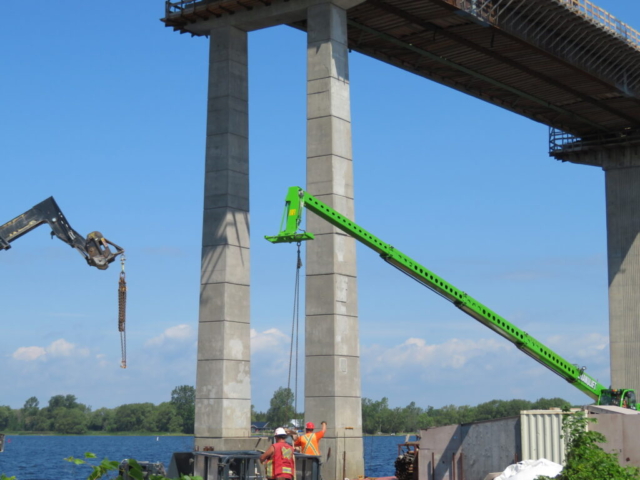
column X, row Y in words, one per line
column 309, row 442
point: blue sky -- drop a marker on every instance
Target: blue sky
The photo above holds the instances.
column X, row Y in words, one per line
column 104, row 108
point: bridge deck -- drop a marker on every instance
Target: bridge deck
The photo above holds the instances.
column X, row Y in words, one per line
column 564, row 63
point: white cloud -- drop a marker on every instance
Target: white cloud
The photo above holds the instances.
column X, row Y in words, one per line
column 29, row 353
column 60, row 348
column 479, row 369
column 272, row 340
column 176, row 334
column 453, row 354
column 102, row 360
column 586, row 346
column 56, row 349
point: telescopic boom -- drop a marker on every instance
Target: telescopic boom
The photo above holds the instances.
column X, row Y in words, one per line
column 297, row 199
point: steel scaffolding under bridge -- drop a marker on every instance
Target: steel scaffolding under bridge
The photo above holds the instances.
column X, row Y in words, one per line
column 565, row 63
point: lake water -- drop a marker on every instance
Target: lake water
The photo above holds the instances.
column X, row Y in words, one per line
column 41, row 457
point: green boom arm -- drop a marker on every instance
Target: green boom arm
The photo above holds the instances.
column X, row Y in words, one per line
column 297, row 199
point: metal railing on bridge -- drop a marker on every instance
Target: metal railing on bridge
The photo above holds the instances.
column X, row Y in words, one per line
column 171, row 8
column 560, row 141
column 489, row 10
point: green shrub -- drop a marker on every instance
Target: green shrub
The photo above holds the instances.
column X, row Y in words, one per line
column 585, row 460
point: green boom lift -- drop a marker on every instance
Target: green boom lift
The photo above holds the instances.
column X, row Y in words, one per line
column 297, row 199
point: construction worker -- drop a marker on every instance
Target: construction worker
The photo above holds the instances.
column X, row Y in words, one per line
column 279, row 457
column 308, row 442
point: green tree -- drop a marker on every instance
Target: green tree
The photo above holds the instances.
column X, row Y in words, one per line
column 184, row 399
column 426, row 419
column 585, row 459
column 14, row 421
column 258, row 416
column 70, row 421
column 393, row 420
column 57, row 401
column 447, row 415
column 41, row 422
column 31, row 406
column 547, row 403
column 100, row 420
column 131, row 417
column 5, row 417
column 373, row 414
column 412, row 416
column 165, row 418
column 467, row 414
column 501, row 409
column 281, row 408
column 64, row 401
column 30, row 412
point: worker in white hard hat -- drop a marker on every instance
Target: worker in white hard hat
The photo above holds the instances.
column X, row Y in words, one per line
column 279, row 458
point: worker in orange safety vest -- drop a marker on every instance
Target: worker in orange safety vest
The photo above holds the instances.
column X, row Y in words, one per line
column 308, row 443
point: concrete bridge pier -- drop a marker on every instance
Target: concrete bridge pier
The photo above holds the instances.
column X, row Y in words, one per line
column 623, row 254
column 621, row 165
column 223, row 386
column 332, row 348
column 223, row 380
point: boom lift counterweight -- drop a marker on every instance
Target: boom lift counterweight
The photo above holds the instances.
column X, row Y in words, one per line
column 297, row 199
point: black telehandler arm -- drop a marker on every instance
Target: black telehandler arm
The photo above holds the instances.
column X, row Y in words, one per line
column 94, row 249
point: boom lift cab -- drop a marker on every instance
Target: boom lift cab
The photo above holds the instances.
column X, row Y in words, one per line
column 290, row 232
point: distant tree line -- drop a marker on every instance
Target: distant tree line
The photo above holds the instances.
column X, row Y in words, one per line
column 65, row 415
column 378, row 417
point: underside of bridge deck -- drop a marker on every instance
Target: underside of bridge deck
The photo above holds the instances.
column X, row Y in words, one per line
column 565, row 67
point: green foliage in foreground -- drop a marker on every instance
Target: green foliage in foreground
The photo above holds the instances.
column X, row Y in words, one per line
column 585, row 460
column 102, row 468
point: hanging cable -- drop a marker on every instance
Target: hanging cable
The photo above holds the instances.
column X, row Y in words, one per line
column 295, row 331
column 122, row 313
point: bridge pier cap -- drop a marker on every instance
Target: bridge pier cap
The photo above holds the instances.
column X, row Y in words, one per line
column 278, row 12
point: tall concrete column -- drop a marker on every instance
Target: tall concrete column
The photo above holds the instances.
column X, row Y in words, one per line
column 223, row 381
column 332, row 368
column 623, row 248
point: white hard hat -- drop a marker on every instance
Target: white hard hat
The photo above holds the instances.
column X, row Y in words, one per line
column 280, row 431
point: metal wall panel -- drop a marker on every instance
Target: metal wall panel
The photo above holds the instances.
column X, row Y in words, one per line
column 540, row 432
column 469, row 451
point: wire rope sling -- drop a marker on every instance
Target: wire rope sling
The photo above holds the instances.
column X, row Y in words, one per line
column 122, row 313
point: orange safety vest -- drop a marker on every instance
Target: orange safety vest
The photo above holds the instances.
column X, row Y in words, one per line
column 309, row 443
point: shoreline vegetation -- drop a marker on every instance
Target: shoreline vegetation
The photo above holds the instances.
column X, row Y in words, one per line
column 64, row 415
